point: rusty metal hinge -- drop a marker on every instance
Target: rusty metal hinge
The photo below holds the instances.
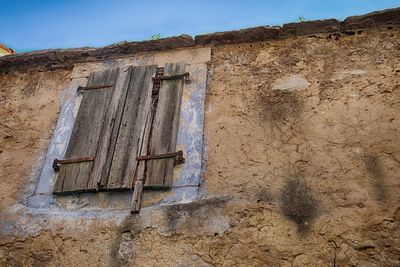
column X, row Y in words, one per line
column 184, row 76
column 179, row 159
column 58, row 162
column 93, row 87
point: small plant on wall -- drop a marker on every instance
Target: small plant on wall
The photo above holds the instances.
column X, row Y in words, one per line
column 302, row 18
column 156, row 36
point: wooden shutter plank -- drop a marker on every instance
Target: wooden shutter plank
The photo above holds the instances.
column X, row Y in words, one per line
column 85, row 134
column 132, row 127
column 102, row 163
column 141, row 166
column 165, row 128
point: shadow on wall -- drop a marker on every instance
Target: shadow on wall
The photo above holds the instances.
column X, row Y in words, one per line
column 375, row 171
column 196, row 218
column 299, row 204
column 279, row 105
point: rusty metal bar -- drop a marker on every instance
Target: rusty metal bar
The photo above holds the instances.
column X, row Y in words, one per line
column 184, row 76
column 93, row 87
column 58, row 162
column 178, row 155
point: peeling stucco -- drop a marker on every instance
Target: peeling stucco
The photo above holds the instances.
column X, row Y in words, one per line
column 40, row 201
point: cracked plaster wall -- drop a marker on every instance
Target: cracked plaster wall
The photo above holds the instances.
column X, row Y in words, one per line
column 302, row 168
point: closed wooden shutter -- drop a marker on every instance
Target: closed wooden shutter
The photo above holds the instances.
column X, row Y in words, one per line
column 115, row 125
column 129, row 140
column 165, row 128
column 86, row 133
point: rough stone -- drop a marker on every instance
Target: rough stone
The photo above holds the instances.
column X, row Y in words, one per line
column 340, row 75
column 387, row 17
column 63, row 58
column 291, row 83
column 240, row 36
column 309, row 27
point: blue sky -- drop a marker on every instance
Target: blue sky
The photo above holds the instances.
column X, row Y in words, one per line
column 32, row 25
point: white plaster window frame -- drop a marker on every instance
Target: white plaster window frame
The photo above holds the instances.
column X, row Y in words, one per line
column 187, row 177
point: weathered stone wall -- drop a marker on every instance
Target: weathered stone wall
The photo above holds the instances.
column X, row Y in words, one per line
column 301, row 170
column 309, row 137
column 29, row 106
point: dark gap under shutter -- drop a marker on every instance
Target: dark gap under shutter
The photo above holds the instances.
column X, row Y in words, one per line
column 86, row 133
